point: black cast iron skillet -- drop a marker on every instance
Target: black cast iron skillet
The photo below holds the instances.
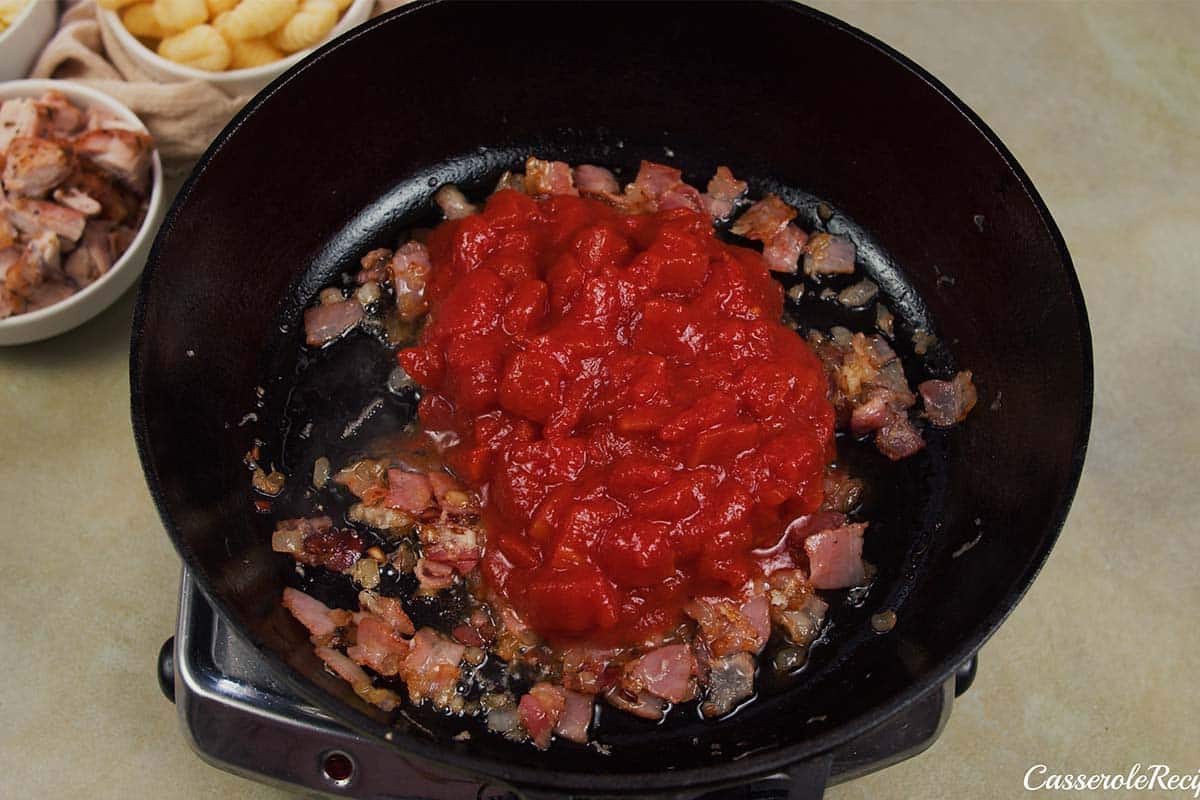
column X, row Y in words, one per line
column 341, row 154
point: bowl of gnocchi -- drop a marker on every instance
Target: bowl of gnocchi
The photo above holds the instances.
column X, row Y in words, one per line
column 239, row 46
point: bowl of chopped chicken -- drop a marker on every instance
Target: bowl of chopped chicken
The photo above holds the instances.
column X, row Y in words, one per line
column 81, row 199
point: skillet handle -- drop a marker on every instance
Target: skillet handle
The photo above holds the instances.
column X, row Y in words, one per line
column 803, row 781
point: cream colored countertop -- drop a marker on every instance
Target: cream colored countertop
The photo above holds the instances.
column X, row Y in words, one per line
column 1095, row 671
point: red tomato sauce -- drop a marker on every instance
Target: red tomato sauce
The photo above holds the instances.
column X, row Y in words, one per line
column 624, row 394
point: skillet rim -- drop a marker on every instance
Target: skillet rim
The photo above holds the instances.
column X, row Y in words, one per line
column 750, row 767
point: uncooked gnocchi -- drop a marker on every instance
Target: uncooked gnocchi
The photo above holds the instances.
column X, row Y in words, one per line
column 251, row 19
column 309, row 25
column 226, row 34
column 179, row 15
column 252, row 53
column 140, row 20
column 202, row 47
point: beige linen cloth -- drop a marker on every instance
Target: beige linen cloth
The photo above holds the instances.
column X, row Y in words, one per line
column 184, row 117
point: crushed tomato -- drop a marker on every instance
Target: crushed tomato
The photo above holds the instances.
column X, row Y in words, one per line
column 625, row 395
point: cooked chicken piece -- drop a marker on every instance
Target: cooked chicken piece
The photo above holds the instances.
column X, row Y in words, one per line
column 32, row 167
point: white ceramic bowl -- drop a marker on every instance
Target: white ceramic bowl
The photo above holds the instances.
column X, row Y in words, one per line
column 91, row 300
column 23, row 40
column 235, row 81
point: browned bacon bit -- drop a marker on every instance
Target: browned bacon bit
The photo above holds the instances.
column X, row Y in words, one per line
column 378, row 645
column 352, row 674
column 826, row 254
column 667, row 672
column 948, row 402
column 323, row 622
column 366, row 479
column 723, row 192
column 389, row 609
column 540, row 710
column 729, row 627
column 316, row 542
column 842, row 492
column 730, row 681
column 868, row 385
column 640, row 704
column 589, row 671
column 453, row 203
column 548, row 177
column 795, row 608
column 782, row 253
column 835, row 557
column 432, row 670
column 374, row 266
column 899, row 439
column 329, row 321
column 593, row 180
column 410, row 269
column 764, row 220
column 433, row 576
column 270, row 484
column 408, row 491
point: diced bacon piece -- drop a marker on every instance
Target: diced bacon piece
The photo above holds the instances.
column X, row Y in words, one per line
column 453, row 203
column 589, row 670
column 548, row 177
column 948, row 402
column 723, row 192
column 537, row 721
column 729, row 627
column 730, row 681
column 21, row 116
column 433, row 576
column 826, row 254
column 365, row 479
column 655, row 180
column 124, row 154
column 782, row 253
column 467, row 635
column 320, row 619
column 515, row 636
column 842, row 492
column 576, row 717
column 764, row 220
column 593, row 180
column 450, row 543
column 899, row 439
column 326, row 322
column 374, row 266
column 640, row 704
column 410, row 268
column 389, row 609
column 514, row 181
column 289, row 534
column 665, row 672
column 795, row 608
column 408, row 491
column 451, row 496
column 352, row 674
column 32, row 167
column 801, row 528
column 432, row 667
column 73, row 198
column 540, row 710
column 681, row 195
column 34, row 216
column 336, row 549
column 835, row 557
column 377, row 645
column 880, row 408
